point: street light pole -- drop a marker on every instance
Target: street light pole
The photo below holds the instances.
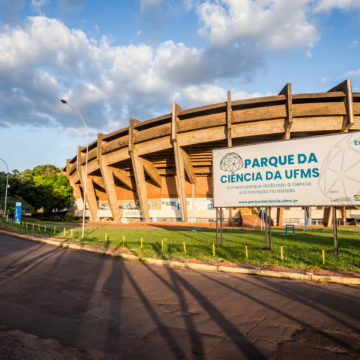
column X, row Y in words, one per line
column 86, row 161
column 7, row 185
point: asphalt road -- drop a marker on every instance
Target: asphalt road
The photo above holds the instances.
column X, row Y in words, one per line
column 66, row 304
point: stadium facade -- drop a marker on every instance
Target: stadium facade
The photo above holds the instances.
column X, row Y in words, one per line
column 161, row 169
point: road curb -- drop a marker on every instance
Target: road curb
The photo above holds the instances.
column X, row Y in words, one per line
column 195, row 266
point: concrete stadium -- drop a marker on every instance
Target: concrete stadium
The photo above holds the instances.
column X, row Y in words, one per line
column 160, row 170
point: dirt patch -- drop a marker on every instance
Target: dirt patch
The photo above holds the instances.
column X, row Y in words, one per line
column 333, row 273
column 5, row 228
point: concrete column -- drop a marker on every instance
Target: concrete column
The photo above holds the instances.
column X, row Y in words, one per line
column 108, row 179
column 90, row 191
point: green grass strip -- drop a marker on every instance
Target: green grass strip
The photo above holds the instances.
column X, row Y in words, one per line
column 303, row 250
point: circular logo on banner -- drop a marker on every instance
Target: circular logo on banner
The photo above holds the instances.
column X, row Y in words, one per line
column 231, row 162
column 340, row 170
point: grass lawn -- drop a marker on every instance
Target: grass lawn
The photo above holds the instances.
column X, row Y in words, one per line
column 48, row 222
column 303, row 250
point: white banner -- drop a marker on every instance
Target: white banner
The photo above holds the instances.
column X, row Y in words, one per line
column 302, row 172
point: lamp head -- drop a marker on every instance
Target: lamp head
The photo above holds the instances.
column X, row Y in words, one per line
column 63, row 101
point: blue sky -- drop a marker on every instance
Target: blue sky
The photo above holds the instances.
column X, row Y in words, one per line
column 118, row 59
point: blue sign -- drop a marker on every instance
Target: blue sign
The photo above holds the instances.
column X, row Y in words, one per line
column 17, row 217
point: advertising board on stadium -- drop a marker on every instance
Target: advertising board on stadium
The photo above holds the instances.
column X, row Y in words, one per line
column 323, row 171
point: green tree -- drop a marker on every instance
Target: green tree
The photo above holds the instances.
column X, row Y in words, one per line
column 54, row 191
column 15, row 193
column 45, row 169
column 44, row 187
column 52, row 188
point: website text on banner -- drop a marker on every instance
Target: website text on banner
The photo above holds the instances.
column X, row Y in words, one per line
column 322, row 170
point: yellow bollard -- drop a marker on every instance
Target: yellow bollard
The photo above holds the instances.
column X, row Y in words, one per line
column 64, row 232
column 323, row 256
column 162, row 244
column 213, row 249
column 281, row 253
column 106, row 237
column 71, row 233
column 123, row 239
column 141, row 242
column 246, row 252
column 184, row 247
column 38, row 227
column 54, row 230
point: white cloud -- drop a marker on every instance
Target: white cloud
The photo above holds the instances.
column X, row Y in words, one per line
column 327, row 5
column 201, row 95
column 351, row 73
column 42, row 41
column 273, row 25
column 39, row 3
column 209, row 94
column 353, row 44
column 42, row 61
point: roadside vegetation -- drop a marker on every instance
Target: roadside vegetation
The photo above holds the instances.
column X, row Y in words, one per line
column 40, row 190
column 302, row 251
